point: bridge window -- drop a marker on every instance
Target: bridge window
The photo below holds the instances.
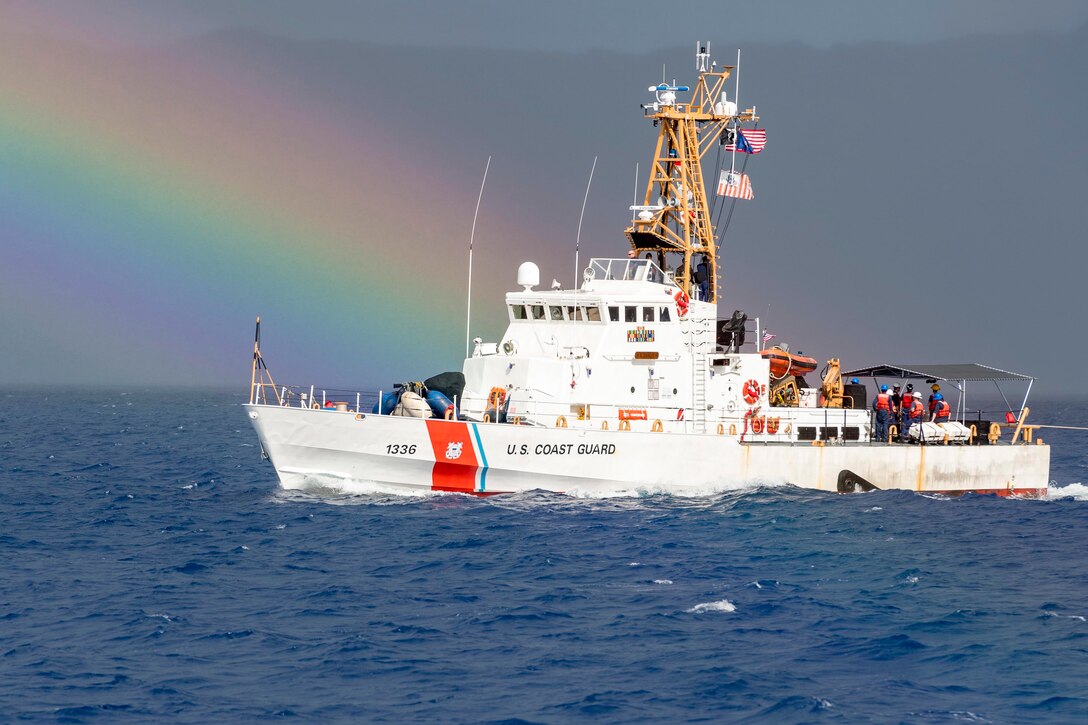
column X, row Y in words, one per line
column 663, row 314
column 630, row 314
column 575, row 313
column 647, row 314
column 537, row 311
column 593, row 314
column 614, row 313
column 555, row 313
column 518, row 312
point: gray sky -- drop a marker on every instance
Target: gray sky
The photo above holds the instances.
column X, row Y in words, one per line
column 918, row 201
column 563, row 25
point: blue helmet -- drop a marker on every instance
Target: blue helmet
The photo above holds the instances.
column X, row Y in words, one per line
column 938, row 396
column 883, row 388
column 854, row 381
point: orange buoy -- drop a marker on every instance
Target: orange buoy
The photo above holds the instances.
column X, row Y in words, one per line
column 751, row 391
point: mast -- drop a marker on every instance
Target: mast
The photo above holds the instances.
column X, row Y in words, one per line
column 674, row 218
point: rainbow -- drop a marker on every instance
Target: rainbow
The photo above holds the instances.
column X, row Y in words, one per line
column 153, row 203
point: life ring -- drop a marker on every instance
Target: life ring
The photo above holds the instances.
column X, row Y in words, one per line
column 496, row 398
column 751, row 391
column 657, row 427
column 757, row 425
column 682, row 302
column 772, row 425
column 561, row 422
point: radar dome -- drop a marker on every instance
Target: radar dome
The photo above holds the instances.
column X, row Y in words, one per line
column 528, row 275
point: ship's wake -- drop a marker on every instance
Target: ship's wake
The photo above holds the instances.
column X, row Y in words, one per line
column 1077, row 491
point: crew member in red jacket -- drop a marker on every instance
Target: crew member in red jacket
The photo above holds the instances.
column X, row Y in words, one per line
column 905, row 402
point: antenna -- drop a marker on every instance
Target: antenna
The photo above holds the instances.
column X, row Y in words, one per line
column 578, row 242
column 471, row 239
column 736, row 92
column 736, row 100
column 702, row 56
column 634, row 196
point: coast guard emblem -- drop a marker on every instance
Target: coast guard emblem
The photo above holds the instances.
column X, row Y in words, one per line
column 453, row 450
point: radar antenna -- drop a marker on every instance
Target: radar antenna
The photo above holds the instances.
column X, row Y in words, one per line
column 702, row 57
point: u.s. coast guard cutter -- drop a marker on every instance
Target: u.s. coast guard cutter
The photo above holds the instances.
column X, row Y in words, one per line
column 631, row 382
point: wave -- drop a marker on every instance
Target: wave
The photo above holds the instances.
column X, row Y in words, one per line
column 678, row 491
column 722, row 605
column 1077, row 491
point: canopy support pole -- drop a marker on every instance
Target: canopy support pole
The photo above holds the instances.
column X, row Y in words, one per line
column 1024, row 405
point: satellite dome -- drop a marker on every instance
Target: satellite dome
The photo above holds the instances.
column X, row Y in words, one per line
column 528, row 275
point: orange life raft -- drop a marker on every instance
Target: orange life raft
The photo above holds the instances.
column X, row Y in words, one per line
column 784, row 363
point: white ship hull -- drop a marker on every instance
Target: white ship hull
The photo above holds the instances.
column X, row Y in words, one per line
column 411, row 455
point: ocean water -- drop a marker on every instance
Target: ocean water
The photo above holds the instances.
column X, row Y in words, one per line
column 153, row 571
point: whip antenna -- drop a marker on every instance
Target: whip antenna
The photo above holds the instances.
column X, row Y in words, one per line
column 736, row 99
column 578, row 240
column 471, row 238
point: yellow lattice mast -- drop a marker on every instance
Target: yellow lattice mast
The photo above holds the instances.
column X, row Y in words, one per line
column 674, row 218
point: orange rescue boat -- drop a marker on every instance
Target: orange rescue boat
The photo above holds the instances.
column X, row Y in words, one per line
column 784, row 363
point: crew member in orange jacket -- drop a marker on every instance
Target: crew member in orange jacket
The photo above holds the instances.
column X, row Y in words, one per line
column 914, row 416
column 942, row 411
column 883, row 408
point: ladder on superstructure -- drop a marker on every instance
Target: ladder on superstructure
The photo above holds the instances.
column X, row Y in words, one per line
column 698, row 390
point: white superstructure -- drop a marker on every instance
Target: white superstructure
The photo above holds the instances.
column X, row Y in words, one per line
column 622, row 349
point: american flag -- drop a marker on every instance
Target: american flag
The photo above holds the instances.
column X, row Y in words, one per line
column 736, row 185
column 752, row 140
column 768, row 336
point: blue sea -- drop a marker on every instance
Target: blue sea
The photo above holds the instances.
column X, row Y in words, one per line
column 152, row 570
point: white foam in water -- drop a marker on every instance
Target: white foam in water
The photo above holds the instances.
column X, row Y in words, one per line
column 678, row 491
column 1076, row 491
column 662, row 581
column 1079, row 618
column 722, row 605
column 327, row 485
